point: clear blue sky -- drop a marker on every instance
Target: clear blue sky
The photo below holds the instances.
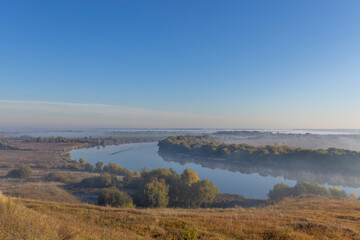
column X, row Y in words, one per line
column 253, row 63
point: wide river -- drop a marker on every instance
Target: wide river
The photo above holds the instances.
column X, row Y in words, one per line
column 145, row 155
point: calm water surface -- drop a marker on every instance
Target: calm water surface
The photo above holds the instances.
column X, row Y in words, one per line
column 139, row 155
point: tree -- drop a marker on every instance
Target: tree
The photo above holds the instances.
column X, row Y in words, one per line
column 89, row 167
column 201, row 192
column 40, row 139
column 155, row 194
column 23, row 171
column 99, row 166
column 189, row 177
column 82, row 163
column 105, row 180
column 353, row 196
column 115, row 198
column 337, row 192
column 306, row 188
column 279, row 191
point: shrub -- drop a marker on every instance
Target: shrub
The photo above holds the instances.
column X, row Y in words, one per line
column 310, row 188
column 103, row 181
column 279, row 191
column 282, row 190
column 353, row 196
column 337, row 192
column 23, row 171
column 57, row 177
column 89, row 167
column 99, row 166
column 116, row 169
column 115, row 198
column 189, row 233
column 82, row 163
column 155, row 194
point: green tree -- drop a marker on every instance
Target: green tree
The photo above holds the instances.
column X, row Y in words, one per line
column 201, row 192
column 337, row 192
column 115, row 198
column 279, row 191
column 89, row 167
column 306, row 188
column 23, row 171
column 99, row 166
column 82, row 163
column 155, row 194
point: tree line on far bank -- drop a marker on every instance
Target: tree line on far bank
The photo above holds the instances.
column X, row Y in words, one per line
column 281, row 191
column 207, row 146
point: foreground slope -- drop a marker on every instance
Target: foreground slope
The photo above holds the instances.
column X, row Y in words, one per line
column 301, row 218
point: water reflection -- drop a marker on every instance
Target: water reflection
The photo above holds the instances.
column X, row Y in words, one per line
column 345, row 173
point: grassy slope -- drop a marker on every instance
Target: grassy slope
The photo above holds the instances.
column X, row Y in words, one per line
column 302, row 218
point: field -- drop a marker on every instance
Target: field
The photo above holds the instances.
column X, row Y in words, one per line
column 301, row 218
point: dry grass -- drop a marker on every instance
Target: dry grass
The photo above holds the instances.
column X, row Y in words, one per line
column 20, row 222
column 302, row 218
column 43, row 158
column 43, row 155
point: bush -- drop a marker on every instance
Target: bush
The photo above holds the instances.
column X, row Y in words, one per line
column 116, row 169
column 89, row 167
column 99, row 166
column 310, row 189
column 104, row 181
column 115, row 198
column 337, row 192
column 23, row 171
column 155, row 194
column 280, row 191
column 57, row 177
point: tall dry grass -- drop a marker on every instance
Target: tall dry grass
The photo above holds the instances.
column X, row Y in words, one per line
column 20, row 222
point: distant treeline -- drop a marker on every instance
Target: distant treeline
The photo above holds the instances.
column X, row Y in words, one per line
column 260, row 134
column 281, row 191
column 97, row 141
column 207, row 146
column 6, row 146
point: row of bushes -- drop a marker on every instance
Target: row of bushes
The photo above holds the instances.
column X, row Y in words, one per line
column 111, row 168
column 98, row 141
column 4, row 145
column 282, row 190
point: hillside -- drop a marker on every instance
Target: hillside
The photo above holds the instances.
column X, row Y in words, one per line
column 301, row 218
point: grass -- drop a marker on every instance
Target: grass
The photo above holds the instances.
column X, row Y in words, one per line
column 300, row 218
column 20, row 222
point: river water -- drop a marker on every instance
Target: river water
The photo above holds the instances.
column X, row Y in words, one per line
column 252, row 183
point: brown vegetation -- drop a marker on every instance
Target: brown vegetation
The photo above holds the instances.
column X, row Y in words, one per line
column 299, row 218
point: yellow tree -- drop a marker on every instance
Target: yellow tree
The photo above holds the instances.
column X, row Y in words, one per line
column 189, row 177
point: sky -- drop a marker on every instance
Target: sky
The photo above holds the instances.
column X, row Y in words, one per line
column 205, row 63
